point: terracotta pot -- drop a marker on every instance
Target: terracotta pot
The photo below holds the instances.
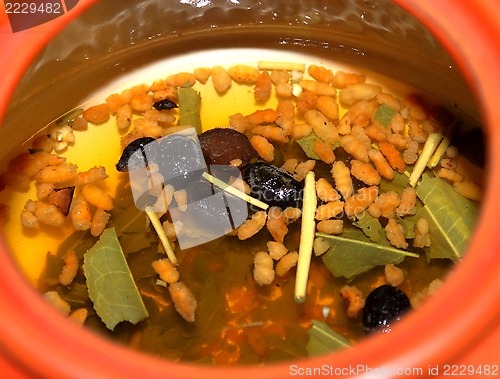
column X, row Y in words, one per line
column 459, row 326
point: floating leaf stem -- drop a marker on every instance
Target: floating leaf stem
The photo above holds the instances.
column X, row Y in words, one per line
column 361, row 243
column 308, row 228
column 234, row 191
column 155, row 220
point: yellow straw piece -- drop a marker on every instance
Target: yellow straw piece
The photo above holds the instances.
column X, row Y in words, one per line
column 286, row 66
column 307, row 231
column 155, row 220
column 441, row 150
column 233, row 191
column 429, row 148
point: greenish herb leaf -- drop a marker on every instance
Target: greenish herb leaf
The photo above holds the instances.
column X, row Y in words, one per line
column 293, row 347
column 111, row 286
column 134, row 242
column 189, row 108
column 408, row 224
column 76, row 295
column 384, row 114
column 210, row 310
column 129, row 220
column 371, row 227
column 353, row 253
column 51, row 272
column 140, row 263
column 451, row 218
column 398, row 184
column 324, row 340
column 79, row 242
column 307, row 142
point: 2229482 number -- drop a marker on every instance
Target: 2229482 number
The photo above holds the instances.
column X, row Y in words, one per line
column 31, row 8
column 470, row 370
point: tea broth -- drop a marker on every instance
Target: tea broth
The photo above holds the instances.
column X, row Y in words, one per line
column 238, row 321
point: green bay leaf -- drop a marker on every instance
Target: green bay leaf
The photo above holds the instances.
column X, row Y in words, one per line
column 134, row 242
column 398, row 184
column 408, row 224
column 307, row 142
column 79, row 242
column 140, row 263
column 189, row 108
column 353, row 253
column 75, row 295
column 384, row 114
column 451, row 218
column 110, row 284
column 129, row 220
column 210, row 313
column 324, row 340
column 371, row 227
column 50, row 274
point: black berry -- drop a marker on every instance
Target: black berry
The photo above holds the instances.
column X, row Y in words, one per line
column 165, row 105
column 383, row 306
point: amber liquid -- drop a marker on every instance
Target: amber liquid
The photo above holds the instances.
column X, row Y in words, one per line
column 247, row 316
column 99, row 145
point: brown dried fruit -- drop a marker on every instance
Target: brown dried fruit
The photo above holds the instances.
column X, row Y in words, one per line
column 220, row 146
column 62, row 198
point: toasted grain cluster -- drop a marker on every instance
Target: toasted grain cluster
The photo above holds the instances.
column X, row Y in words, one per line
column 354, row 299
column 134, row 107
column 377, row 146
column 372, row 147
column 62, row 191
column 276, row 261
column 183, row 299
column 78, row 316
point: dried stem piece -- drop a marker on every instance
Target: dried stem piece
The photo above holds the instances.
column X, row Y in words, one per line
column 308, row 228
column 429, row 148
column 445, row 143
column 287, row 66
column 234, row 191
column 155, row 220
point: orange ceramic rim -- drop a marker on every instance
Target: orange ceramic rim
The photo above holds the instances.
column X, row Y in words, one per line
column 37, row 342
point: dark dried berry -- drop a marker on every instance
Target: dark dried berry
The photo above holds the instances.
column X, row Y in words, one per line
column 135, row 155
column 221, row 146
column 165, row 105
column 180, row 160
column 384, row 305
column 273, row 186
